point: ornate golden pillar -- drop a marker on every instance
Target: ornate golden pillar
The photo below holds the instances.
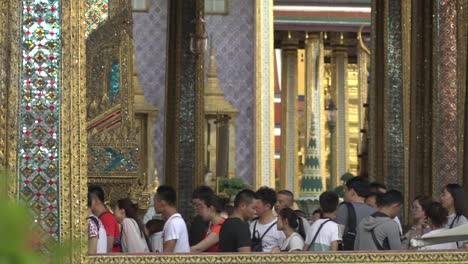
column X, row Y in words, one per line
column 314, row 58
column 340, row 95
column 289, row 158
column 363, row 72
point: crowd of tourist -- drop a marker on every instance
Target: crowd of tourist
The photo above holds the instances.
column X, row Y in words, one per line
column 265, row 221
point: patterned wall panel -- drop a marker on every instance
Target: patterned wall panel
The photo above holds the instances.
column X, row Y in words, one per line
column 96, row 12
column 233, row 40
column 394, row 130
column 149, row 32
column 40, row 112
column 446, row 93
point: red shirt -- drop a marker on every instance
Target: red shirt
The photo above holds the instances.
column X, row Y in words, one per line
column 112, row 229
column 215, row 229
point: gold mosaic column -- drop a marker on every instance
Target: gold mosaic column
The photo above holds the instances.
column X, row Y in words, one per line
column 313, row 58
column 289, row 159
column 340, row 94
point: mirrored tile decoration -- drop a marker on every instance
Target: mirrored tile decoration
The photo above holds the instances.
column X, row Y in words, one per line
column 446, row 93
column 39, row 129
column 96, row 13
column 395, row 145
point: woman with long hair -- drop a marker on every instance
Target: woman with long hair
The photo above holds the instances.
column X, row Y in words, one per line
column 133, row 237
column 437, row 219
column 290, row 224
column 210, row 210
column 452, row 199
column 420, row 226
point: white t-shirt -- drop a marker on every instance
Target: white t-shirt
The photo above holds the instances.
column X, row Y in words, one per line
column 454, row 221
column 328, row 234
column 307, row 231
column 451, row 245
column 156, row 242
column 274, row 237
column 175, row 228
column 293, row 243
column 101, row 234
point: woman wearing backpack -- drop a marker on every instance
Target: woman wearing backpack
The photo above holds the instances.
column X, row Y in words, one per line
column 133, row 237
column 288, row 222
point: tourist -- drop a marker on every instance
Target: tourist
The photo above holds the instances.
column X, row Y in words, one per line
column 353, row 210
column 133, row 236
column 288, row 222
column 325, row 231
column 235, row 234
column 175, row 236
column 265, row 235
column 198, row 227
column 420, row 226
column 379, row 231
column 155, row 228
column 108, row 220
column 437, row 219
column 97, row 238
column 376, row 189
column 452, row 199
column 316, row 215
column 285, row 199
column 211, row 209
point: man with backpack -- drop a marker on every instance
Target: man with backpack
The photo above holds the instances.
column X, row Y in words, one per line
column 325, row 232
column 379, row 231
column 353, row 209
column 264, row 233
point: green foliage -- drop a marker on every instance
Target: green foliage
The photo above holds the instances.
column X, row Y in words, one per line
column 21, row 239
column 231, row 186
column 344, row 178
column 340, row 191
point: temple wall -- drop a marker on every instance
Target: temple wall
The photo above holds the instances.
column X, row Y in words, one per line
column 150, row 31
column 233, row 40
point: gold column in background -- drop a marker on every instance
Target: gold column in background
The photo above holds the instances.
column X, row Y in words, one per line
column 312, row 79
column 289, row 159
column 363, row 72
column 340, row 95
column 314, row 75
column 353, row 118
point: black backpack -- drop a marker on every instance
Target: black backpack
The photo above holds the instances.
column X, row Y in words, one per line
column 349, row 235
column 257, row 245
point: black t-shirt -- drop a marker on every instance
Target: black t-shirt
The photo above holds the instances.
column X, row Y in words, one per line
column 234, row 234
column 197, row 230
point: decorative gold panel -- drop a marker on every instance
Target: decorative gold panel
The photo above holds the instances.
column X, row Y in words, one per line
column 118, row 116
column 334, row 257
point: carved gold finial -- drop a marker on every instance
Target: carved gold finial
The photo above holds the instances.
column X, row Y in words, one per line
column 307, row 35
column 289, row 35
column 93, row 107
column 341, row 38
column 105, row 100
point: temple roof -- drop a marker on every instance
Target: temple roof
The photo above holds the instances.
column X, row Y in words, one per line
column 321, row 15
